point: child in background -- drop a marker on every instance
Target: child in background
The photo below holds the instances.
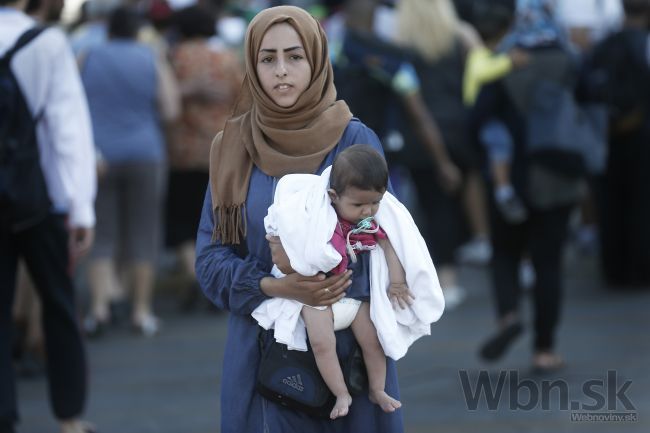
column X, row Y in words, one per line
column 483, row 66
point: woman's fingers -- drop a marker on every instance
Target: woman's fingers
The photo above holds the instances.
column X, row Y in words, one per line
column 332, row 300
column 327, row 291
column 337, row 284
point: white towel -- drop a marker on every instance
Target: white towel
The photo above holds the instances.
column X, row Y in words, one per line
column 303, row 217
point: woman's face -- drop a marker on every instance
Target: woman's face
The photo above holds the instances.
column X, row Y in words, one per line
column 282, row 66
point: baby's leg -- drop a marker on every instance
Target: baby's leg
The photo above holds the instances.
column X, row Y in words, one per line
column 375, row 359
column 320, row 329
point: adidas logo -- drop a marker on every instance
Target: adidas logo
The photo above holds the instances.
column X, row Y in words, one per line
column 294, row 382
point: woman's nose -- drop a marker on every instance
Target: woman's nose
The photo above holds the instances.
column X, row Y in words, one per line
column 280, row 70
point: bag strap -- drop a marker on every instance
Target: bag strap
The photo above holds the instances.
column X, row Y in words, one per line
column 24, row 39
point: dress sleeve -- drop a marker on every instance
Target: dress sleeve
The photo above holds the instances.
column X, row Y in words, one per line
column 229, row 281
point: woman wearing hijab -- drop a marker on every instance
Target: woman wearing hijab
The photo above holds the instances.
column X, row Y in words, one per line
column 543, row 233
column 286, row 120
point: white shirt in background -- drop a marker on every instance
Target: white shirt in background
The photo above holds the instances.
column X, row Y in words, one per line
column 601, row 17
column 49, row 79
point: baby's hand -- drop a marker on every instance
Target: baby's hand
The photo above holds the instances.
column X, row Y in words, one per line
column 399, row 294
column 279, row 255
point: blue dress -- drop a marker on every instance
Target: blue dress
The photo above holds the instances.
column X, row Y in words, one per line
column 232, row 283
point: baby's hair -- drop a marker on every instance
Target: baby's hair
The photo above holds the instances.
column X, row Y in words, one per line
column 360, row 166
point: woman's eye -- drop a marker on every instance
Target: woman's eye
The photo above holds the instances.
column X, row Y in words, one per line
column 296, row 57
column 267, row 59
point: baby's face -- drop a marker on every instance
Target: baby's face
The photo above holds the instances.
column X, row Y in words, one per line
column 356, row 204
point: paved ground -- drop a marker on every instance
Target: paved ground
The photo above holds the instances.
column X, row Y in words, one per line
column 169, row 384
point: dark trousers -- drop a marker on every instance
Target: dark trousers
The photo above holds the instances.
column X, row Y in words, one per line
column 442, row 220
column 542, row 236
column 44, row 248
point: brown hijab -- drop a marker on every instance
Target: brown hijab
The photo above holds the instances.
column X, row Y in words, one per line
column 277, row 140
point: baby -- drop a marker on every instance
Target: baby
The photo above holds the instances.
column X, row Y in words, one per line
column 358, row 181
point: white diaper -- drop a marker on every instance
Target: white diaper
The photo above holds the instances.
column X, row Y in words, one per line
column 344, row 312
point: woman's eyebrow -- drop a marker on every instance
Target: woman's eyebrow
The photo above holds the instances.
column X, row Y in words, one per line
column 286, row 50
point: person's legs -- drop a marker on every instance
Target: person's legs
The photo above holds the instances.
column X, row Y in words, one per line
column 498, row 143
column 442, row 223
column 143, row 280
column 143, row 200
column 320, row 330
column 547, row 238
column 508, row 241
column 477, row 250
column 475, row 205
column 102, row 275
column 45, row 250
column 8, row 264
column 374, row 358
column 30, row 354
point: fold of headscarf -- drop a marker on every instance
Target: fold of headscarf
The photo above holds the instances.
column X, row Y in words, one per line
column 277, row 140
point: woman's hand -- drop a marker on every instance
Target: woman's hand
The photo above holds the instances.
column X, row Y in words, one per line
column 315, row 291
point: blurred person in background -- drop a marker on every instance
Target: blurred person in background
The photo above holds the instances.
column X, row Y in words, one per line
column 209, row 79
column 132, row 94
column 29, row 344
column 586, row 22
column 380, row 82
column 484, row 65
column 93, row 31
column 439, row 43
column 544, row 231
column 618, row 74
column 57, row 178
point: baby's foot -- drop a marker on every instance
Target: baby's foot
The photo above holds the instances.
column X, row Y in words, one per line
column 341, row 407
column 385, row 401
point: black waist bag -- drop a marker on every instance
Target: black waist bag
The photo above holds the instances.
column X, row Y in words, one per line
column 291, row 378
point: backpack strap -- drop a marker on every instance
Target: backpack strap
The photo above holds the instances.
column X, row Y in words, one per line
column 23, row 40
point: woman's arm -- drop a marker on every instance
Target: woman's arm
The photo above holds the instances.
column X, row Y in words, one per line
column 242, row 284
column 229, row 281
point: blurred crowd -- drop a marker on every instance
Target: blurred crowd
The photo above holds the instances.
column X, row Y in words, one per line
column 446, row 86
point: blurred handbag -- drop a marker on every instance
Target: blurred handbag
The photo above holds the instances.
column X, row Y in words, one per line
column 291, row 378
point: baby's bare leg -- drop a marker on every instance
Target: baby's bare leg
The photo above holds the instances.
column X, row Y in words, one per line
column 320, row 329
column 375, row 359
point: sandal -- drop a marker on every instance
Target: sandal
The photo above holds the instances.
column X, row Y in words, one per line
column 497, row 345
column 77, row 426
column 148, row 326
column 547, row 362
column 94, row 328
